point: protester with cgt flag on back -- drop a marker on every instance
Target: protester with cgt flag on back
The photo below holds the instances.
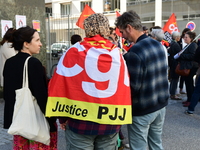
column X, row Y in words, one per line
column 91, row 90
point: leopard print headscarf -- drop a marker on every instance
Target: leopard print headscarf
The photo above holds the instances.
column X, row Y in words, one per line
column 96, row 24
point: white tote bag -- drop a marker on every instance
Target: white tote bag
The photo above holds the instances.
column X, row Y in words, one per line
column 28, row 120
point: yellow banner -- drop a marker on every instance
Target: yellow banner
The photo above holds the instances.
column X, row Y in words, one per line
column 99, row 113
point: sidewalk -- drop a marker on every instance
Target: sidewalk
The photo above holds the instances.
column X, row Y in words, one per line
column 180, row 132
column 6, row 139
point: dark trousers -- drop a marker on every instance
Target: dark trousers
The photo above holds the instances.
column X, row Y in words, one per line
column 195, row 96
column 173, row 86
column 189, row 83
column 181, row 82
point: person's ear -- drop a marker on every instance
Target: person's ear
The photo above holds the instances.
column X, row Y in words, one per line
column 26, row 45
column 129, row 28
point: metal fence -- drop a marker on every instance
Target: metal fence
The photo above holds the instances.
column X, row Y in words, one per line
column 59, row 28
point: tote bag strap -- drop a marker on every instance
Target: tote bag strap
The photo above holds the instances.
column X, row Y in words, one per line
column 25, row 73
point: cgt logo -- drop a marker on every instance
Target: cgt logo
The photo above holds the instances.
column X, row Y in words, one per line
column 173, row 27
column 97, row 57
column 91, row 83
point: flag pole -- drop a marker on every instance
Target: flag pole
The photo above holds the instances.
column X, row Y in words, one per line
column 179, row 53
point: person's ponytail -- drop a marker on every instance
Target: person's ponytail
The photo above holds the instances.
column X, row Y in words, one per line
column 8, row 36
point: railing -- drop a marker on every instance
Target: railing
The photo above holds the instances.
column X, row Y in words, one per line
column 139, row 2
column 59, row 29
column 135, row 2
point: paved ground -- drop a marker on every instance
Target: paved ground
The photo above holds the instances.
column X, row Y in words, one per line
column 181, row 132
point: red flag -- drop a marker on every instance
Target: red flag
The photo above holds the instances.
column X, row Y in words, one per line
column 117, row 30
column 171, row 25
column 87, row 11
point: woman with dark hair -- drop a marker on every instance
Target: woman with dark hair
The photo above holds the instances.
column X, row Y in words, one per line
column 186, row 60
column 26, row 41
column 182, row 44
column 6, row 51
column 113, row 36
column 196, row 94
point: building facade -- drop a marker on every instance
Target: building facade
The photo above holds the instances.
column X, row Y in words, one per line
column 62, row 16
column 185, row 11
column 152, row 12
column 63, row 8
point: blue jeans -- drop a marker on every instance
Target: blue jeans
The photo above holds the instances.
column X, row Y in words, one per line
column 146, row 131
column 195, row 96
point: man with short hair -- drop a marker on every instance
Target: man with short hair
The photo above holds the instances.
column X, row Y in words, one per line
column 75, row 38
column 149, row 84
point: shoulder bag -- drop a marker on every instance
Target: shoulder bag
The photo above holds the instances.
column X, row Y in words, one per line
column 182, row 72
column 28, row 120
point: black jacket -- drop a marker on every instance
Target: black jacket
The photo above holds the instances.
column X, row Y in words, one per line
column 173, row 50
column 13, row 74
column 197, row 55
column 186, row 59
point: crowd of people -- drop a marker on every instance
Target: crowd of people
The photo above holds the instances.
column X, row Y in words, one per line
column 137, row 63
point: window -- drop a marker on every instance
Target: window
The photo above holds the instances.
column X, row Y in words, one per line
column 111, row 5
column 65, row 9
column 84, row 3
column 48, row 10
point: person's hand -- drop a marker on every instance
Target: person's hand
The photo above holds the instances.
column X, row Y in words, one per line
column 63, row 126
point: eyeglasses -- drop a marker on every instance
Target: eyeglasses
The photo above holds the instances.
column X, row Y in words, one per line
column 114, row 34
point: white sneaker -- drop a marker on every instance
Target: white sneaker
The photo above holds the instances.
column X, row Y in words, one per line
column 127, row 146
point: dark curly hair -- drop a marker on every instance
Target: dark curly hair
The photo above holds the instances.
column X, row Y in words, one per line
column 97, row 24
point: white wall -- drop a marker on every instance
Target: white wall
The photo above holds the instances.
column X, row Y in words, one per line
column 48, row 1
column 123, row 6
column 158, row 13
column 56, row 8
column 97, row 6
column 76, row 6
column 111, row 17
